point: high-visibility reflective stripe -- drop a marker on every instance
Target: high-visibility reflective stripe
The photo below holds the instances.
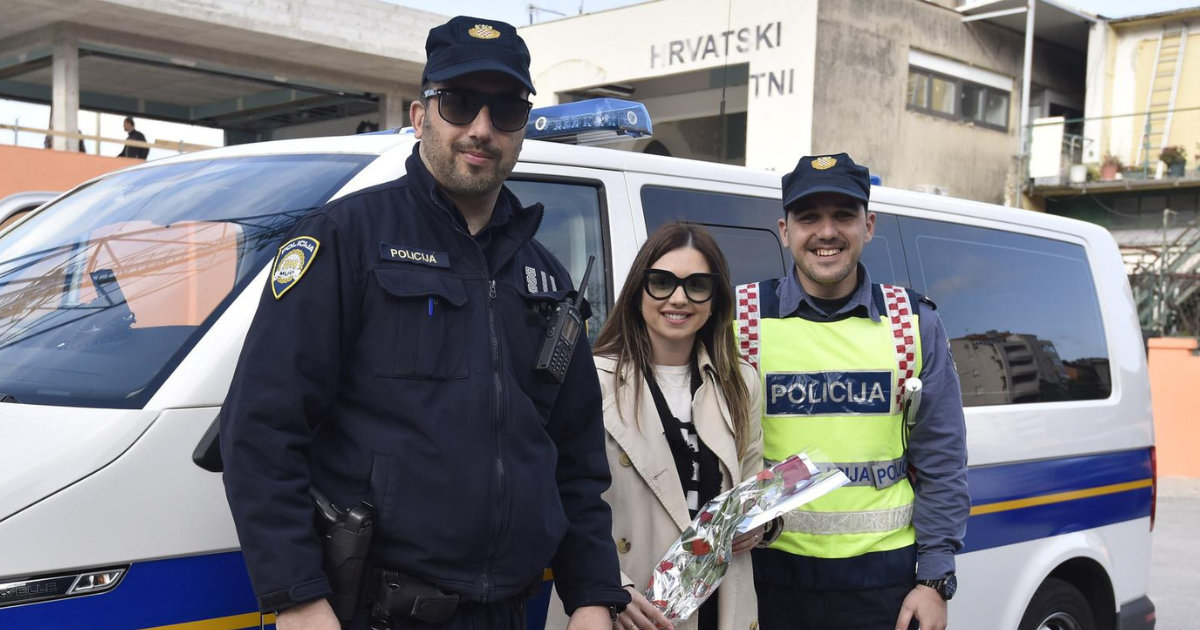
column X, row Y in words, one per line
column 828, row 523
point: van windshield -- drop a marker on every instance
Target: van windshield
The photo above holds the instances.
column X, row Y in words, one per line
column 105, row 291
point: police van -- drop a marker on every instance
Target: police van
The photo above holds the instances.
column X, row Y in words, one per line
column 124, row 305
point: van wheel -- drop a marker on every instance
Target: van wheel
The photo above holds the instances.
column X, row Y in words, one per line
column 1058, row 606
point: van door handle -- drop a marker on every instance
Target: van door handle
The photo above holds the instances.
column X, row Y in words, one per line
column 208, row 452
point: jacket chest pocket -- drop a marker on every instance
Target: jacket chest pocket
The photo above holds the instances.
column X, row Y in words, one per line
column 421, row 318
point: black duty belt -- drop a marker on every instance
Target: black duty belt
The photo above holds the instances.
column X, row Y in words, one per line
column 400, row 595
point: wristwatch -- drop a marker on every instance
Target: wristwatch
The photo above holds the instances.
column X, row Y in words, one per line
column 945, row 586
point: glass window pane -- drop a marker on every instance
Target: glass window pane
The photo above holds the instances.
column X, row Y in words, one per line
column 102, row 293
column 752, row 254
column 995, row 110
column 972, row 102
column 1021, row 313
column 918, row 89
column 943, row 96
column 757, row 215
column 571, row 231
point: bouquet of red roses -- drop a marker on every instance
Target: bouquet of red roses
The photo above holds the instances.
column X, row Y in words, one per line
column 695, row 565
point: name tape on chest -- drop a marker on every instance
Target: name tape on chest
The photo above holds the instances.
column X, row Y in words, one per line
column 292, row 261
column 865, row 393
column 400, row 253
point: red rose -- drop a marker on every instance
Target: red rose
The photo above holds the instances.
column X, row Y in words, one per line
column 765, row 475
column 701, row 547
column 793, row 471
column 706, row 517
column 665, row 565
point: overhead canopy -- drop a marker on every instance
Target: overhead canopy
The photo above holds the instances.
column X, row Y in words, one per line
column 1053, row 22
column 223, row 63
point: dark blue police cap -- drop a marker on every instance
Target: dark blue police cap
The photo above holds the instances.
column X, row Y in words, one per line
column 465, row 45
column 827, row 173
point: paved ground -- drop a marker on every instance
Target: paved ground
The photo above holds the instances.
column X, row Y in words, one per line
column 1175, row 572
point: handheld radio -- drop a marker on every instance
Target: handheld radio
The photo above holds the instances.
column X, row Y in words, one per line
column 562, row 333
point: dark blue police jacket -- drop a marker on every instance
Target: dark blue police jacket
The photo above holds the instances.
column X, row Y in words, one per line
column 396, row 367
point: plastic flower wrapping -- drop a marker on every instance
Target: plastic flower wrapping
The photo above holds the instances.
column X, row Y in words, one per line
column 694, row 566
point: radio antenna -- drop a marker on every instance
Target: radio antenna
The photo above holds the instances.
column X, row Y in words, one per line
column 724, row 84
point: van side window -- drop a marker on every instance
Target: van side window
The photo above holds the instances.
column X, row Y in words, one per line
column 571, row 231
column 1021, row 312
column 747, row 229
column 744, row 227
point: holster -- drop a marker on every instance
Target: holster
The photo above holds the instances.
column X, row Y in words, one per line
column 400, row 595
column 345, row 542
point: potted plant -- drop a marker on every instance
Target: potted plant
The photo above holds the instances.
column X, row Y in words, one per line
column 1175, row 158
column 1110, row 167
column 1197, row 157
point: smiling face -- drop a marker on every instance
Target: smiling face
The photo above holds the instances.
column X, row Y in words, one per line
column 672, row 323
column 471, row 160
column 826, row 233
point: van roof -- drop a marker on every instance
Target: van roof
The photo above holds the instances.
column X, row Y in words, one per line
column 541, row 152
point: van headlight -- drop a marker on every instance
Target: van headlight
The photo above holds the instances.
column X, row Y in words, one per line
column 40, row 589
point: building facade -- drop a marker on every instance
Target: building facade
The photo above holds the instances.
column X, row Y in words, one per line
column 922, row 92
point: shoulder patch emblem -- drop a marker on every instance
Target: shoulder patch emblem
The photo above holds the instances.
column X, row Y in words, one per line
column 293, row 259
column 823, row 163
column 483, row 31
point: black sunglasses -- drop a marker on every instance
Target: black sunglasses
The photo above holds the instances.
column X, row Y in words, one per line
column 459, row 106
column 661, row 284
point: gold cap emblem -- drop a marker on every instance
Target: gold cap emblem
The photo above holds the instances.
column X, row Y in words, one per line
column 823, row 163
column 484, row 31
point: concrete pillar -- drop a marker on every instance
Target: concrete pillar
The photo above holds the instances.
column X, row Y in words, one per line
column 65, row 92
column 393, row 110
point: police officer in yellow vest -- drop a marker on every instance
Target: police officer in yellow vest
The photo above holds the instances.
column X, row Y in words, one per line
column 834, row 353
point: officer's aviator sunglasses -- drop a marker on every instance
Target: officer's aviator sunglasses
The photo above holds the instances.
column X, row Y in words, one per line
column 660, row 284
column 459, row 106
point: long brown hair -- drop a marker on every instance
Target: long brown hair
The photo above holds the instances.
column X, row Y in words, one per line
column 625, row 338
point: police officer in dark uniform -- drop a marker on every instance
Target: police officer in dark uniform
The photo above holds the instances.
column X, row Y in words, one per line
column 391, row 362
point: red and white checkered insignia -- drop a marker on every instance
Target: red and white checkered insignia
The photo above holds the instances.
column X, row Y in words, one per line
column 748, row 317
column 899, row 314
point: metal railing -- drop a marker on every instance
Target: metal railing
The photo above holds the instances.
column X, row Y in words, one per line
column 169, row 145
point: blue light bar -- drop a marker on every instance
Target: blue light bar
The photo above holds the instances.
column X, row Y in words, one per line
column 876, row 180
column 593, row 121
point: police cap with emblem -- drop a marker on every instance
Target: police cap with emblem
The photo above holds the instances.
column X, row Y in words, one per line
column 465, row 45
column 826, row 173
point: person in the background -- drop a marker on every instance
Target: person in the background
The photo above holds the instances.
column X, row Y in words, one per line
column 681, row 419
column 137, row 153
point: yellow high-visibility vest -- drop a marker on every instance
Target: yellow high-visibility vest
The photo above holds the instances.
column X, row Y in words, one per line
column 835, row 387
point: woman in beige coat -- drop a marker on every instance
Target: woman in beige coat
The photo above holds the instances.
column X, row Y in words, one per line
column 673, row 449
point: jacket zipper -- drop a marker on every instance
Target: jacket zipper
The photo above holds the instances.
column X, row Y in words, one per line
column 497, row 415
column 497, row 402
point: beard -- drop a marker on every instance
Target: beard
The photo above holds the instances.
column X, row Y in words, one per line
column 460, row 179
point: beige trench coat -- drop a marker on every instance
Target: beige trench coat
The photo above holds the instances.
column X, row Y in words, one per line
column 649, row 508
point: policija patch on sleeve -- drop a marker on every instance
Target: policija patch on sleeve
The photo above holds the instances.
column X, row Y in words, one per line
column 293, row 259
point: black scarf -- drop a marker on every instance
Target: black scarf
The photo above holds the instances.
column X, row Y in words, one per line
column 709, row 485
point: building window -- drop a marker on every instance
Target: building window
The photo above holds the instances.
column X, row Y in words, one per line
column 958, row 99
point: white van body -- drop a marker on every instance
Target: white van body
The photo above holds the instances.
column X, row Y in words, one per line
column 1061, row 452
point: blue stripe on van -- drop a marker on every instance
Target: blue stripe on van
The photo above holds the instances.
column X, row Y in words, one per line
column 1031, row 500
column 1080, row 493
column 155, row 593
